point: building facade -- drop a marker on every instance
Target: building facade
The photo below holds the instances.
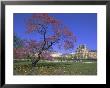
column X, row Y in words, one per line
column 93, row 54
column 82, row 52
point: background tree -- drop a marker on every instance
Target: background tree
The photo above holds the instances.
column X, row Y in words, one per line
column 50, row 32
column 17, row 41
column 19, row 50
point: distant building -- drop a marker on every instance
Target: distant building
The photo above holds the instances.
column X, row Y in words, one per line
column 93, row 54
column 82, row 52
column 68, row 55
column 55, row 54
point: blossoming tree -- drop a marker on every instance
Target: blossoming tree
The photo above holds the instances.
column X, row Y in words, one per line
column 51, row 32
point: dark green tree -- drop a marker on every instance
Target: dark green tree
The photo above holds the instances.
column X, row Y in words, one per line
column 18, row 42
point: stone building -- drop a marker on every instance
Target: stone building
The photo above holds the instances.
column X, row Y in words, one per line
column 82, row 52
column 55, row 54
column 93, row 54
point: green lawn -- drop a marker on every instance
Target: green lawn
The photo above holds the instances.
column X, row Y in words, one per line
column 55, row 68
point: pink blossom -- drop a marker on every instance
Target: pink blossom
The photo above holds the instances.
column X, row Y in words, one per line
column 47, row 55
column 39, row 23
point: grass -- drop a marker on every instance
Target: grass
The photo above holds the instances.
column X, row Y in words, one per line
column 55, row 68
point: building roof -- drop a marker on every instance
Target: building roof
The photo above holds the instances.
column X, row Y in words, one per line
column 92, row 50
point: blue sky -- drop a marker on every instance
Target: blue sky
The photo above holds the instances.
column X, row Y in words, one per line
column 83, row 25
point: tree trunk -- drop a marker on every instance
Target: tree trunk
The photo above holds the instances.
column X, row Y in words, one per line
column 34, row 62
